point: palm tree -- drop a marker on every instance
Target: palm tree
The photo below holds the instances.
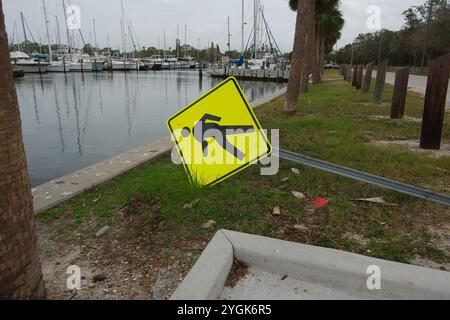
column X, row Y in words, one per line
column 310, row 43
column 298, row 56
column 325, row 22
column 329, row 25
column 20, row 268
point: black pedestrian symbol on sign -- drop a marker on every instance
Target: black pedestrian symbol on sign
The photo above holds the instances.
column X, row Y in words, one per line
column 204, row 130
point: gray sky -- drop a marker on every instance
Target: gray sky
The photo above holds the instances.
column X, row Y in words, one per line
column 205, row 19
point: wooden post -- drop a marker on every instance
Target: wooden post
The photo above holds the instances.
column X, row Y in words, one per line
column 349, row 73
column 399, row 96
column 342, row 70
column 359, row 76
column 367, row 78
column 381, row 79
column 434, row 108
column 355, row 75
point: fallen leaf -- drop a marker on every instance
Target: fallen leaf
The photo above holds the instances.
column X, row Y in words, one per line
column 187, row 206
column 298, row 194
column 285, row 179
column 375, row 200
column 98, row 278
column 102, row 231
column 68, row 212
column 301, row 228
column 276, row 211
column 208, row 224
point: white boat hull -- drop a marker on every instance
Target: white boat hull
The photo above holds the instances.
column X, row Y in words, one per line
column 97, row 65
column 59, row 68
column 123, row 66
column 81, row 67
column 33, row 68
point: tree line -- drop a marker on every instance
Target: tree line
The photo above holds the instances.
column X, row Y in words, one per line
column 424, row 36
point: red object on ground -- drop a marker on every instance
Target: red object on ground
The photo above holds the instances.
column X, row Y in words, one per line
column 320, row 202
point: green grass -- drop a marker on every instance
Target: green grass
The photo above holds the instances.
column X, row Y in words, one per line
column 334, row 123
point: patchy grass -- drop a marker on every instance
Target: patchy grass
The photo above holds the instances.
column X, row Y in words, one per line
column 335, row 123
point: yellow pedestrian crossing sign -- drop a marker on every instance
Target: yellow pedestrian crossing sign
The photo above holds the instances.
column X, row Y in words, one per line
column 218, row 134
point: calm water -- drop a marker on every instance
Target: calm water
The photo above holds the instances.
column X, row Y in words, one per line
column 74, row 120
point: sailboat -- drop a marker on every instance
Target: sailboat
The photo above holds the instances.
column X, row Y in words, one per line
column 28, row 65
column 59, row 66
column 85, row 63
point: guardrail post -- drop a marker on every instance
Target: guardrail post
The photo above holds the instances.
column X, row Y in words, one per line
column 359, row 76
column 355, row 75
column 434, row 108
column 381, row 79
column 344, row 72
column 367, row 78
column 399, row 95
column 349, row 73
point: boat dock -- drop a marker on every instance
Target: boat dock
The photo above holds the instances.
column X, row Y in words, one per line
column 251, row 74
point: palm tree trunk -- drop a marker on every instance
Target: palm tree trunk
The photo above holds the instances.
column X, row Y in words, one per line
column 304, row 83
column 315, row 55
column 310, row 40
column 20, row 268
column 298, row 57
column 322, row 55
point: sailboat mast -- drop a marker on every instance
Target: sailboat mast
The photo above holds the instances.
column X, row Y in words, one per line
column 58, row 35
column 109, row 46
column 123, row 32
column 48, row 34
column 242, row 33
column 185, row 40
column 67, row 27
column 255, row 27
column 178, row 42
column 24, row 32
column 95, row 35
column 229, row 35
column 123, row 43
column 164, row 31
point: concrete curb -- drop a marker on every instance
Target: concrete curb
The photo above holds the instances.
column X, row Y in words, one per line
column 344, row 271
column 52, row 193
column 206, row 280
column 269, row 98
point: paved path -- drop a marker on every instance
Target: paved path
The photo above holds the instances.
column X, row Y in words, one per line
column 415, row 83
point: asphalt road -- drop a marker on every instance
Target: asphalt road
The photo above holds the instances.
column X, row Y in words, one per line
column 415, row 83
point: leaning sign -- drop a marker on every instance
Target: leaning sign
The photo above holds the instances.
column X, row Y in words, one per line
column 218, row 135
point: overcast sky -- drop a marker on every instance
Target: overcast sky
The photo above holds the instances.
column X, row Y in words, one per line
column 205, row 19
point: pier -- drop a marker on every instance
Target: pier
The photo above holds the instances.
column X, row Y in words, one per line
column 251, row 74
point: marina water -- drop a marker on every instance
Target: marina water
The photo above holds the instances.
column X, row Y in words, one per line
column 73, row 120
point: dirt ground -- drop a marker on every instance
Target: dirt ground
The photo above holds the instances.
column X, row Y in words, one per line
column 413, row 145
column 114, row 269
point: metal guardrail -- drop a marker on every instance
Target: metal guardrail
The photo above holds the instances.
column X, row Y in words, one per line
column 365, row 177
